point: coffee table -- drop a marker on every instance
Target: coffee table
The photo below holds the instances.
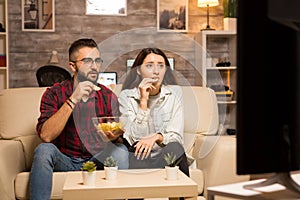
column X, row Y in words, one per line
column 132, row 183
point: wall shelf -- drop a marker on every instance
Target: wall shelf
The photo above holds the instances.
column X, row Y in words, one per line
column 4, row 80
column 214, row 47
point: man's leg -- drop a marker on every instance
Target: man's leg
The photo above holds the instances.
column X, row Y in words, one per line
column 120, row 153
column 46, row 159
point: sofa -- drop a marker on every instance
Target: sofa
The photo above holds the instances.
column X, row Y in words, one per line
column 214, row 155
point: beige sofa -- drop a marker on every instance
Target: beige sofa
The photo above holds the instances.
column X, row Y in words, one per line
column 214, row 155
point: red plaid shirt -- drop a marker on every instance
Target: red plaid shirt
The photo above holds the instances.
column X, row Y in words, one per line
column 79, row 138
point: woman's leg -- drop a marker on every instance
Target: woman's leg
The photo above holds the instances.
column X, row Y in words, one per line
column 178, row 150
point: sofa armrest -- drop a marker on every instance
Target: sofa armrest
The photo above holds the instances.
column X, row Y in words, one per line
column 197, row 176
column 216, row 157
column 29, row 143
column 12, row 161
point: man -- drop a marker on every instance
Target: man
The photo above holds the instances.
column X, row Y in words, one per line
column 65, row 123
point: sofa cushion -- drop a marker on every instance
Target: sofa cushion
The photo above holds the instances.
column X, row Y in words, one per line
column 19, row 111
column 200, row 110
column 22, row 185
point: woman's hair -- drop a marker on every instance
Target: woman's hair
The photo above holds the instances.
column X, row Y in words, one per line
column 133, row 79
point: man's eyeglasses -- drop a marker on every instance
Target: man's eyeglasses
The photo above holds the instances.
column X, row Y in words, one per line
column 90, row 61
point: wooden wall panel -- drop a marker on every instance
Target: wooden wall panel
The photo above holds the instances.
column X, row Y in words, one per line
column 31, row 50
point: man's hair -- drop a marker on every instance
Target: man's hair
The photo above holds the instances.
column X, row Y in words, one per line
column 76, row 45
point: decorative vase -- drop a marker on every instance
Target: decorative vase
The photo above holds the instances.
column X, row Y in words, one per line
column 111, row 173
column 229, row 24
column 172, row 172
column 89, row 178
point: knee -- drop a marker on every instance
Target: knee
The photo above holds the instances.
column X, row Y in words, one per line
column 175, row 147
column 122, row 156
column 121, row 152
column 44, row 151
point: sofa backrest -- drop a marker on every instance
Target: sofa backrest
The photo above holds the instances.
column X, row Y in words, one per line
column 200, row 110
column 19, row 109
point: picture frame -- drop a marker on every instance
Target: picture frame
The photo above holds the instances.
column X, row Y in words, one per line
column 38, row 15
column 106, row 7
column 172, row 15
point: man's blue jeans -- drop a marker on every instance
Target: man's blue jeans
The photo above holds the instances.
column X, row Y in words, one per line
column 48, row 158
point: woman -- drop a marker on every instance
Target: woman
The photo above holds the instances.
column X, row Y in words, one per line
column 152, row 102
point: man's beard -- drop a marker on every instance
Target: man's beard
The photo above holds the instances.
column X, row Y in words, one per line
column 82, row 77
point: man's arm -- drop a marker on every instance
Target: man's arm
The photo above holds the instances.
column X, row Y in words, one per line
column 56, row 123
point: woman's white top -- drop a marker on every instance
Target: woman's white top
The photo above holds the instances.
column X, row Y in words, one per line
column 164, row 115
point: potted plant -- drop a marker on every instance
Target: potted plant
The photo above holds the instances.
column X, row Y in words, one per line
column 89, row 173
column 172, row 165
column 230, row 14
column 110, row 168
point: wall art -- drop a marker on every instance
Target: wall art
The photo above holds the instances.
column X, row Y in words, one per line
column 172, row 15
column 106, row 7
column 38, row 15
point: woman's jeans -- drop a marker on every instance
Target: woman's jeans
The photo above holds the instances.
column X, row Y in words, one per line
column 48, row 158
column 158, row 161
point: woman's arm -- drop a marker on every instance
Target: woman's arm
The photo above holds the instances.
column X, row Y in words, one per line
column 137, row 119
column 173, row 129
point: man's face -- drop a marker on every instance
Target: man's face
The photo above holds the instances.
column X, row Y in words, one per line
column 88, row 63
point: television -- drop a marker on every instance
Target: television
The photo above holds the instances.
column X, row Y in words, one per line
column 268, row 90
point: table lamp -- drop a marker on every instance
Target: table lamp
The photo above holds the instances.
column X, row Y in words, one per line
column 207, row 3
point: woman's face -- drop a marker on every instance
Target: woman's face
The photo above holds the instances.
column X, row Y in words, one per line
column 153, row 67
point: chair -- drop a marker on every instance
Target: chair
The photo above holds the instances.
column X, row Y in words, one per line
column 49, row 74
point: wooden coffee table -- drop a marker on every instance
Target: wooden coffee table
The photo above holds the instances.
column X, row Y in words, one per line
column 141, row 183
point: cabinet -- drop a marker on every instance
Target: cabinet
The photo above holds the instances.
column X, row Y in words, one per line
column 216, row 60
column 4, row 81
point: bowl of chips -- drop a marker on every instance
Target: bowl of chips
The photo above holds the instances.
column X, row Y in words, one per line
column 105, row 124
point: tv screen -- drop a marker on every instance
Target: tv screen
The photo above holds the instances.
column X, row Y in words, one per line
column 268, row 87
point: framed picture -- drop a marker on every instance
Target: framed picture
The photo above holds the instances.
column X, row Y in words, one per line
column 38, row 15
column 130, row 62
column 172, row 15
column 106, row 7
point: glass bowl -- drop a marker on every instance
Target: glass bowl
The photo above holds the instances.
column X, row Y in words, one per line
column 105, row 124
